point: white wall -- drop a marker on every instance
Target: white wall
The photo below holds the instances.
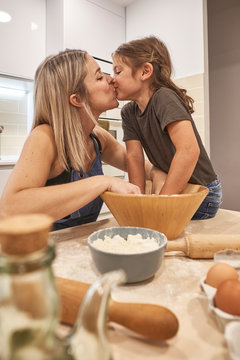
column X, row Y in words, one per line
column 97, row 26
column 179, row 23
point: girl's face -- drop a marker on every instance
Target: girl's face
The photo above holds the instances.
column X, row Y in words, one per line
column 127, row 85
column 101, row 92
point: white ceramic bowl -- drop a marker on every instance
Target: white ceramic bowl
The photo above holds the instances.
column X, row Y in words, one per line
column 137, row 266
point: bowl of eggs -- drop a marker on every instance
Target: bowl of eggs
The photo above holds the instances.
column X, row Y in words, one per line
column 168, row 214
column 137, row 251
column 222, row 287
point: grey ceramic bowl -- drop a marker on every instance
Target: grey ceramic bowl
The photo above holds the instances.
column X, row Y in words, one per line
column 139, row 266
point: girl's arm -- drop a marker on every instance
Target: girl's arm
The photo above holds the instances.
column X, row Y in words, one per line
column 136, row 164
column 185, row 158
column 158, row 178
column 25, row 191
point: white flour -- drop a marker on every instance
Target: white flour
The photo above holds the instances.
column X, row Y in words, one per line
column 132, row 245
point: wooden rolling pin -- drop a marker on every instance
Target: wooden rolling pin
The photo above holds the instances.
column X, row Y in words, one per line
column 152, row 321
column 203, row 246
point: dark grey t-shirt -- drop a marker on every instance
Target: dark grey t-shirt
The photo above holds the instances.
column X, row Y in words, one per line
column 150, row 128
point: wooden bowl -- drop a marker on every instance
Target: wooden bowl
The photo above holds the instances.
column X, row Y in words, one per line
column 168, row 214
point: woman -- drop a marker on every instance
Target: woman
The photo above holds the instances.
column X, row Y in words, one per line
column 59, row 172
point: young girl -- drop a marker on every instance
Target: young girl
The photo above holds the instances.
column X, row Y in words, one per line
column 158, row 119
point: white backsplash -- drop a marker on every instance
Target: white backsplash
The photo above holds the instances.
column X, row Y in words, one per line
column 15, row 114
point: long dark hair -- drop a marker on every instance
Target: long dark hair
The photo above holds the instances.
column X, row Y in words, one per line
column 150, row 49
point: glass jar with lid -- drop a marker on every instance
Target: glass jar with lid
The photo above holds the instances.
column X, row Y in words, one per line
column 29, row 301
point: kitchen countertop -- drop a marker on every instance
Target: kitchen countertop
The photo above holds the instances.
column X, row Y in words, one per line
column 176, row 285
column 8, row 160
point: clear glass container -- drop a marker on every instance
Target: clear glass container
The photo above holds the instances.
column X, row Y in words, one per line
column 29, row 307
column 29, row 301
column 88, row 339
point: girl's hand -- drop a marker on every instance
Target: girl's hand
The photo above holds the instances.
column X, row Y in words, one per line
column 158, row 178
column 136, row 164
column 123, row 187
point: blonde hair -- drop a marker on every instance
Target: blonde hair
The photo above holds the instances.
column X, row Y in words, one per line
column 150, row 49
column 57, row 78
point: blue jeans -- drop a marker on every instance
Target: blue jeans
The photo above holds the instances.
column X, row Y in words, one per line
column 211, row 203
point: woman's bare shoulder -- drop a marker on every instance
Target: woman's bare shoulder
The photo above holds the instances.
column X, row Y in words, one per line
column 40, row 143
column 42, row 136
column 99, row 131
column 104, row 136
column 43, row 129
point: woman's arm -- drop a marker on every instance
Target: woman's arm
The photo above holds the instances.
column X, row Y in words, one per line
column 25, row 191
column 113, row 153
column 185, row 158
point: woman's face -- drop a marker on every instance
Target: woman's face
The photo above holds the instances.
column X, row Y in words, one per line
column 101, row 92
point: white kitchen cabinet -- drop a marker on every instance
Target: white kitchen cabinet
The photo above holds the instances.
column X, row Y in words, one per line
column 95, row 26
column 23, row 38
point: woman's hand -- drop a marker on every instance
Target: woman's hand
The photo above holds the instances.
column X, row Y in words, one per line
column 123, row 187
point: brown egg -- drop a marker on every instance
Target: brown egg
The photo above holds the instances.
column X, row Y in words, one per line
column 220, row 272
column 227, row 297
